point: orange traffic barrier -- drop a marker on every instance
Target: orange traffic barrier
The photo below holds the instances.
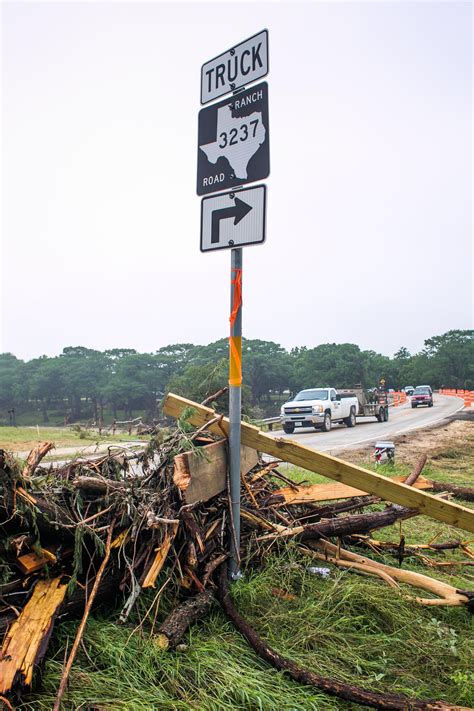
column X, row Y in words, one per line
column 468, row 398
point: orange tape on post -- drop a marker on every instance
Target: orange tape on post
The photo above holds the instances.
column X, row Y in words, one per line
column 237, row 282
column 235, row 342
column 235, row 369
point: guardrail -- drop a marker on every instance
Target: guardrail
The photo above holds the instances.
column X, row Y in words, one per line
column 270, row 421
column 466, row 395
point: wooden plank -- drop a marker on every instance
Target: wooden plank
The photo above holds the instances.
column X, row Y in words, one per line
column 331, row 467
column 332, row 492
column 203, row 474
column 161, row 554
column 31, row 562
column 24, row 643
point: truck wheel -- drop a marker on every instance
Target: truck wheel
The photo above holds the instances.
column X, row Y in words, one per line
column 327, row 422
column 386, row 415
column 413, row 405
column 289, row 428
column 351, row 420
column 381, row 415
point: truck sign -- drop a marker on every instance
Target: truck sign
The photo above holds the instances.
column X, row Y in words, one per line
column 241, row 65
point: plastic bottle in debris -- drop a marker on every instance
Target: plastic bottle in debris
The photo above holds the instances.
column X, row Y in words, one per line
column 322, row 572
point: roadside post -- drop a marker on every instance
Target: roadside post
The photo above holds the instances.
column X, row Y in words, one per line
column 233, row 150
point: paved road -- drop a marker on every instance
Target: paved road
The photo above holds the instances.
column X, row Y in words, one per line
column 368, row 430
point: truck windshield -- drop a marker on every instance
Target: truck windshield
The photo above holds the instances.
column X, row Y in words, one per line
column 312, row 395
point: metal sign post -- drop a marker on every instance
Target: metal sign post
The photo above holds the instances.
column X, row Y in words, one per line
column 235, row 405
column 233, row 150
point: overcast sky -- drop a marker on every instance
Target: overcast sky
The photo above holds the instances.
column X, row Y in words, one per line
column 369, row 235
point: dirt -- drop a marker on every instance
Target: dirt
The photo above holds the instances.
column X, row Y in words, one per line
column 455, row 437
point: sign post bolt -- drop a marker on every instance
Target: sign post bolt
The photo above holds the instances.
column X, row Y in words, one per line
column 235, row 406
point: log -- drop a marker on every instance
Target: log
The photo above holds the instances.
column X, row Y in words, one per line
column 344, row 526
column 460, row 492
column 331, row 467
column 94, row 485
column 348, row 692
column 203, row 474
column 27, row 639
column 412, row 478
column 171, row 631
column 359, row 523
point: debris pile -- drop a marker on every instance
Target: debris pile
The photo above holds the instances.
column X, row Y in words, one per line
column 104, row 529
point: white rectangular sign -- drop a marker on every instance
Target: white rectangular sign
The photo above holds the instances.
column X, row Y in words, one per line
column 233, row 219
column 244, row 63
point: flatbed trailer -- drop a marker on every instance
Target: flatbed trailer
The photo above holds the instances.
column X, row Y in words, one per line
column 375, row 406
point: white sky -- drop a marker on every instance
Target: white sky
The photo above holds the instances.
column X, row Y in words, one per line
column 369, row 236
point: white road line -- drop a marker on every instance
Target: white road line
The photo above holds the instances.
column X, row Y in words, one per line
column 430, row 423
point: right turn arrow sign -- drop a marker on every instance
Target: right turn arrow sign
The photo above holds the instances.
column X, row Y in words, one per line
column 238, row 212
column 233, row 219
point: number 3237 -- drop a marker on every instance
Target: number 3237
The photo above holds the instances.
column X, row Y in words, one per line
column 235, row 135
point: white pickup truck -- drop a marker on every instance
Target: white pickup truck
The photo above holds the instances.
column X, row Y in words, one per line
column 318, row 408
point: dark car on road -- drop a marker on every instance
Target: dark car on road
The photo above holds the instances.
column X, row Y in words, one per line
column 422, row 395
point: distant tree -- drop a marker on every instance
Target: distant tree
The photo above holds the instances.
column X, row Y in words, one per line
column 450, row 358
column 402, row 354
column 45, row 382
column 13, row 389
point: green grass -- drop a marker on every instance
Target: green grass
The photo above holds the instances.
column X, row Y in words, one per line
column 24, row 438
column 347, row 627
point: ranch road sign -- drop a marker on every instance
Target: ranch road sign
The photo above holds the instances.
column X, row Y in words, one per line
column 233, row 141
column 244, row 63
column 233, row 219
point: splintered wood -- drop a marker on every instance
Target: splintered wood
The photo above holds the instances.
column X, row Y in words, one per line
column 26, row 641
column 159, row 560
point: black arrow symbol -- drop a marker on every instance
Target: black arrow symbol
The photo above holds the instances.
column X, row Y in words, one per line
column 238, row 212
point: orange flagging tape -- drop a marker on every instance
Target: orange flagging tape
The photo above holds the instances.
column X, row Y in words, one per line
column 235, row 342
column 235, row 370
column 237, row 302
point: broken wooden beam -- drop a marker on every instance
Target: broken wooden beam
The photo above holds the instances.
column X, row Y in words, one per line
column 330, row 492
column 202, row 474
column 331, row 467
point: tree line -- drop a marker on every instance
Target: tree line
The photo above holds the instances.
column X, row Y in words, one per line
column 85, row 384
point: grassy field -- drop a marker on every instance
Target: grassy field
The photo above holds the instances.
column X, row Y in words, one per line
column 346, row 626
column 18, row 439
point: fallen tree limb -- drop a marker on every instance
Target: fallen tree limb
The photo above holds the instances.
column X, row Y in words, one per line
column 446, row 594
column 344, row 691
column 460, row 492
column 345, row 526
column 171, row 631
column 35, row 457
